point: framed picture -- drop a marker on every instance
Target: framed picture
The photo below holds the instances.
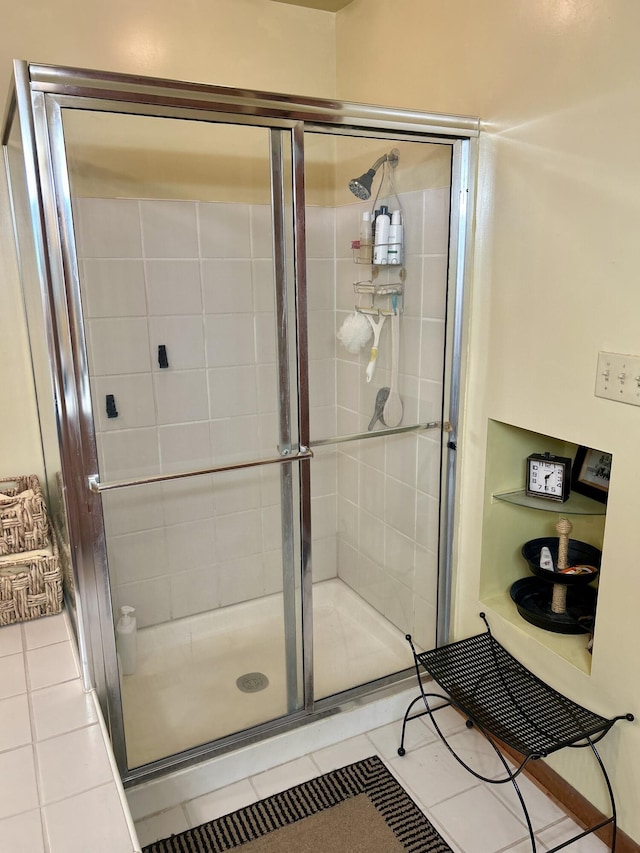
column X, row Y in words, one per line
column 590, row 474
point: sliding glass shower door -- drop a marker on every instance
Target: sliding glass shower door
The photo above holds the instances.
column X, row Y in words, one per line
column 214, row 426
column 185, row 255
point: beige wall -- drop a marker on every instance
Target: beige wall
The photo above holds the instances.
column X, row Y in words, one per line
column 254, row 44
column 555, row 83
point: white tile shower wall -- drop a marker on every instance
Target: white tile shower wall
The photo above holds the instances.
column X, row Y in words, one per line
column 198, row 279
column 388, row 494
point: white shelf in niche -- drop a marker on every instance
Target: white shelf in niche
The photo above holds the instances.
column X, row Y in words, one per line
column 571, row 647
column 575, row 505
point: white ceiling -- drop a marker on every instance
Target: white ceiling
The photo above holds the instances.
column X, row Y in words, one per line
column 324, row 5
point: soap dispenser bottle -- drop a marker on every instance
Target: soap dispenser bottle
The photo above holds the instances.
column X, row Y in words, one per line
column 127, row 640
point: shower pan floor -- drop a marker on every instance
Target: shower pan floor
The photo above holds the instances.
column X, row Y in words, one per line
column 184, row 690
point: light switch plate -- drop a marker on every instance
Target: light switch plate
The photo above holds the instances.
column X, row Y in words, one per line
column 618, row 377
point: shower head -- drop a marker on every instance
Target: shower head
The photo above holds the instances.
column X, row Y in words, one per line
column 361, row 187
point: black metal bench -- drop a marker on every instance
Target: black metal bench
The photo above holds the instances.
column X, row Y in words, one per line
column 509, row 705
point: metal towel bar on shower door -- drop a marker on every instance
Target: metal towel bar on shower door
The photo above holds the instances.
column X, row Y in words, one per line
column 97, row 487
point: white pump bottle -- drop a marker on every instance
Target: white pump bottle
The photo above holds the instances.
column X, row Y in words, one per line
column 127, row 640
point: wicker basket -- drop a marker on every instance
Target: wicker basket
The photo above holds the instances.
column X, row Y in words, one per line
column 23, row 516
column 30, row 585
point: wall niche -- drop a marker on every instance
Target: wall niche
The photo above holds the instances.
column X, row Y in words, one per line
column 510, row 519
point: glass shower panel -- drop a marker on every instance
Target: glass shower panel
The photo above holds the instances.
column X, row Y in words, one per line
column 175, row 223
column 375, row 501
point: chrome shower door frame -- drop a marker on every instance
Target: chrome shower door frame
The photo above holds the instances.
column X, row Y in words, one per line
column 43, row 92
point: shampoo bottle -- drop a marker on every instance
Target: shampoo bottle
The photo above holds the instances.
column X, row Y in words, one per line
column 381, row 243
column 126, row 640
column 394, row 255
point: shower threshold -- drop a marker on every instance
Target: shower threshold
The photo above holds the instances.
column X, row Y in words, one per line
column 184, row 691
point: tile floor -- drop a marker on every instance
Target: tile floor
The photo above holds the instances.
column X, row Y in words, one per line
column 58, row 791
column 472, row 816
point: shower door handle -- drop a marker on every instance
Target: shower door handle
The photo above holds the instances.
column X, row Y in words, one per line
column 287, row 456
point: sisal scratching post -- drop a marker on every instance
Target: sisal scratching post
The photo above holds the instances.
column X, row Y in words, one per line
column 559, row 598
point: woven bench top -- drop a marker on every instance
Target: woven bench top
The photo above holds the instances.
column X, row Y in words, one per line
column 507, row 700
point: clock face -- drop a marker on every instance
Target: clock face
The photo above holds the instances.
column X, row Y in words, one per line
column 546, row 478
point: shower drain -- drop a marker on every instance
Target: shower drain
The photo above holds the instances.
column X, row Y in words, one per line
column 252, row 682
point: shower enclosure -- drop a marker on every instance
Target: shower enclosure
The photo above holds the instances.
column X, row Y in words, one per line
column 214, row 455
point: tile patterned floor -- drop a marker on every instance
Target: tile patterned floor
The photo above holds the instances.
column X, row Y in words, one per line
column 58, row 792
column 473, row 817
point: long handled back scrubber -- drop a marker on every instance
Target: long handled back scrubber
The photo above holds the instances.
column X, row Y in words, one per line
column 373, row 357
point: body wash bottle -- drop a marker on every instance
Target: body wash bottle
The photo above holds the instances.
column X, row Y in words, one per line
column 395, row 254
column 381, row 244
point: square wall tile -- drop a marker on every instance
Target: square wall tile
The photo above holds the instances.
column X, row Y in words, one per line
column 173, row 287
column 137, row 556
column 151, row 599
column 230, row 340
column 264, row 292
column 184, row 446
column 190, row 545
column 400, row 507
column 436, row 221
column 432, row 350
column 427, row 521
column 110, row 227
column 224, row 230
column 322, row 338
column 234, row 438
column 235, row 491
column 188, row 499
column 227, row 286
column 261, row 230
column 119, row 345
column 195, row 591
column 320, row 227
column 265, row 337
column 113, row 288
column 133, row 398
column 413, row 227
column 183, row 340
column 181, row 396
column 130, row 451
column 321, row 284
column 434, row 286
column 325, row 558
column 129, row 510
column 238, row 535
column 233, row 391
column 169, row 229
column 399, row 556
column 240, row 580
column 401, row 458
